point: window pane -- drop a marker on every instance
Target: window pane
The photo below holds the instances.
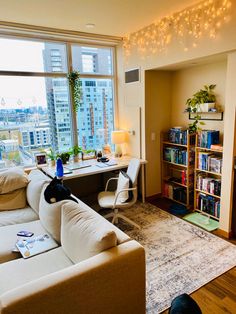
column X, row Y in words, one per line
column 34, row 115
column 92, row 60
column 96, row 115
column 32, row 56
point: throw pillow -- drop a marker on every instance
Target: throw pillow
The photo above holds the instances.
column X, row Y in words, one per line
column 130, row 193
column 12, row 179
column 13, row 200
column 84, row 233
column 123, row 183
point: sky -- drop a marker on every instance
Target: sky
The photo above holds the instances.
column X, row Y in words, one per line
column 21, row 55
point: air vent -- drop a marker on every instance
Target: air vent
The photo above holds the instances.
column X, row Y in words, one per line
column 132, row 76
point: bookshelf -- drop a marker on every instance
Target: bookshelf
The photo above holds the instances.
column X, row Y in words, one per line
column 177, row 165
column 207, row 178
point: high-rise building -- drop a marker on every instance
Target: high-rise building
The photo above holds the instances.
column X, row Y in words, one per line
column 95, row 116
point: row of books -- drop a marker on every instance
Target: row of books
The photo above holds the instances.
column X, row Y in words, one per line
column 179, row 136
column 181, row 177
column 210, row 185
column 174, row 192
column 206, row 138
column 209, row 162
column 177, row 155
column 208, row 204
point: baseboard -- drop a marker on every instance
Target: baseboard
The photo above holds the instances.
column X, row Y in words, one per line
column 224, row 234
column 153, row 197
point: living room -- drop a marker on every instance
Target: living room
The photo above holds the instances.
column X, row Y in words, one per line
column 173, row 50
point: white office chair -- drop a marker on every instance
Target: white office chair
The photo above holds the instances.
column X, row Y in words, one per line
column 109, row 199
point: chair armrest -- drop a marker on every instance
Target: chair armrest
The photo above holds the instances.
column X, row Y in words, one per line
column 124, row 190
column 109, row 283
column 108, row 181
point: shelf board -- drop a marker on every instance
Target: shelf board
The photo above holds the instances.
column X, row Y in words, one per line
column 209, row 149
column 185, row 204
column 174, row 144
column 174, row 182
column 206, row 214
column 204, row 192
column 172, row 163
column 215, row 173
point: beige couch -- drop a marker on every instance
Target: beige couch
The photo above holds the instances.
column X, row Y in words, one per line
column 96, row 268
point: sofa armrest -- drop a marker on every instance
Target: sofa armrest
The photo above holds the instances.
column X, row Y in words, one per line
column 111, row 282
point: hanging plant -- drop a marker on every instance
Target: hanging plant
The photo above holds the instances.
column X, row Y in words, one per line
column 75, row 84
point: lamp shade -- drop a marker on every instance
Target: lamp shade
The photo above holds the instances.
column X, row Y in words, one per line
column 118, row 137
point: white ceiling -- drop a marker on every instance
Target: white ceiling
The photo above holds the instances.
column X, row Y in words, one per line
column 111, row 17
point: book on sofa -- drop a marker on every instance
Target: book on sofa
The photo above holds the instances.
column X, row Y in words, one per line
column 32, row 246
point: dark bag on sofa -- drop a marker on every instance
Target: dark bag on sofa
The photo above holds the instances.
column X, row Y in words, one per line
column 56, row 192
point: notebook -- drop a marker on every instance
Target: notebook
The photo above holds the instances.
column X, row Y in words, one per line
column 32, row 246
column 77, row 166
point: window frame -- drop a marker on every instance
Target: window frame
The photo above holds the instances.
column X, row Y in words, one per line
column 68, row 47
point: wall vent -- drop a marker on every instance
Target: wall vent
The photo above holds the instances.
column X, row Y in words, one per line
column 132, row 76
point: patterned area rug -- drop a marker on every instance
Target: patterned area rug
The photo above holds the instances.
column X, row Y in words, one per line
column 180, row 257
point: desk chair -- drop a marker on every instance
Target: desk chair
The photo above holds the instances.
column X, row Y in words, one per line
column 108, row 199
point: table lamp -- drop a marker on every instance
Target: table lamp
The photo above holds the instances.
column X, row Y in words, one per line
column 117, row 138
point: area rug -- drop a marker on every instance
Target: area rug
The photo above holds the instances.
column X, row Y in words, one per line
column 181, row 257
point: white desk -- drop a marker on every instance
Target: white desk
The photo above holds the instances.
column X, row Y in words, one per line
column 122, row 163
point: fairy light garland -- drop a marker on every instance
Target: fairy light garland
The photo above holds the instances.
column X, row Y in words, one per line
column 187, row 26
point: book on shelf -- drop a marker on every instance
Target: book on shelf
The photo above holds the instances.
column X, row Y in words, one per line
column 208, row 204
column 209, row 162
column 178, row 136
column 206, row 138
column 178, row 155
column 218, row 147
column 208, row 184
column 175, row 192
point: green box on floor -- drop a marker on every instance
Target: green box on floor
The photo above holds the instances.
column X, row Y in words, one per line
column 202, row 221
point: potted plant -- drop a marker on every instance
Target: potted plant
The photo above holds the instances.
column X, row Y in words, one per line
column 76, row 150
column 76, row 89
column 203, row 100
column 52, row 156
column 65, row 156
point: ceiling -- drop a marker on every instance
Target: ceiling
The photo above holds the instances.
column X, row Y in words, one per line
column 111, row 17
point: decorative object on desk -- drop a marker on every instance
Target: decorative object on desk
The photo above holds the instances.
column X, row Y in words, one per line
column 41, row 159
column 65, row 157
column 76, row 90
column 118, row 137
column 106, row 149
column 76, row 150
column 56, row 192
column 202, row 101
column 88, row 154
column 59, row 169
column 52, row 156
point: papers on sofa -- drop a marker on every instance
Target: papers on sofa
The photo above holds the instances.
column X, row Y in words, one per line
column 32, row 246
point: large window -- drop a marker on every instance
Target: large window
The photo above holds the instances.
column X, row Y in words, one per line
column 35, row 109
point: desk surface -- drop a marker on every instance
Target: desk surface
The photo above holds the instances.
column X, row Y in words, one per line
column 122, row 162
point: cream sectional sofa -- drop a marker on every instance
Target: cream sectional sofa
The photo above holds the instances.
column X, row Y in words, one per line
column 96, row 268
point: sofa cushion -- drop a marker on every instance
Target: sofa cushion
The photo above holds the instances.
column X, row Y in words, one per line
column 50, row 215
column 12, row 179
column 84, row 233
column 17, row 216
column 26, row 270
column 8, row 234
column 13, row 200
column 34, row 188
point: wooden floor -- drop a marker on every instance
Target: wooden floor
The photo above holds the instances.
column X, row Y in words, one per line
column 219, row 295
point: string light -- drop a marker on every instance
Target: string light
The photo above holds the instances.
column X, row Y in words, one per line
column 203, row 19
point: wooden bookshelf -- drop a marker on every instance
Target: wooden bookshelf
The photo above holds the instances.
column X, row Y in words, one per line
column 208, row 175
column 175, row 170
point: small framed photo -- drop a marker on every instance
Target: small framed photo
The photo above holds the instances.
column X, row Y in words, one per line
column 41, row 159
column 89, row 154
